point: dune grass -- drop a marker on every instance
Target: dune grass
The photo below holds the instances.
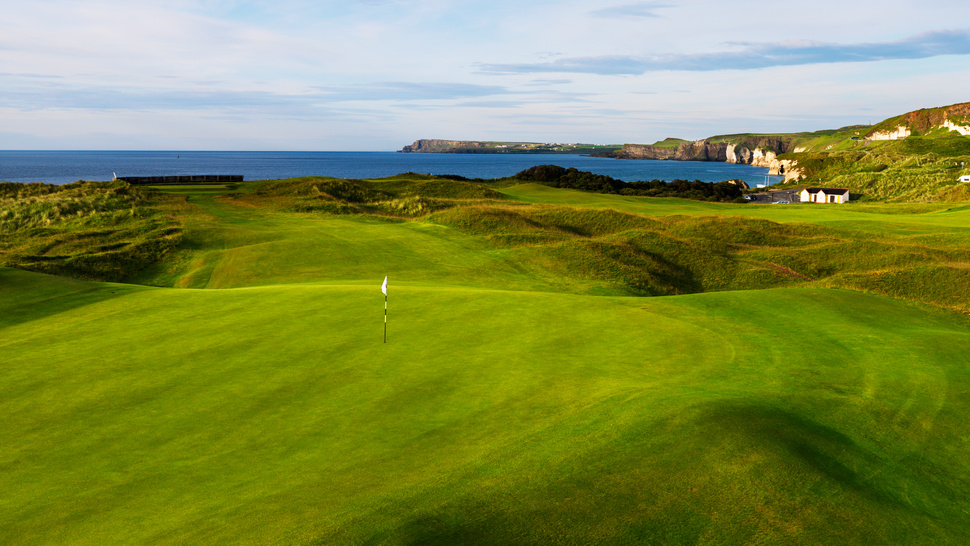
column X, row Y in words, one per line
column 89, row 230
column 522, row 397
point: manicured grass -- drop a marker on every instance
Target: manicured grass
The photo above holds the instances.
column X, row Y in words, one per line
column 519, row 399
column 276, row 414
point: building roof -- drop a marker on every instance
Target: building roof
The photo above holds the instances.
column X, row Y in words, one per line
column 828, row 191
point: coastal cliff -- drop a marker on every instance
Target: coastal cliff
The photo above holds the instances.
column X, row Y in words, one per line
column 942, row 130
column 760, row 151
column 955, row 117
column 757, row 150
column 438, row 146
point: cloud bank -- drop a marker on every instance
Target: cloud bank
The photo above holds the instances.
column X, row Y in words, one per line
column 755, row 56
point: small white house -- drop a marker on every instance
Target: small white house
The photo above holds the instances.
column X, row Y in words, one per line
column 965, row 178
column 824, row 195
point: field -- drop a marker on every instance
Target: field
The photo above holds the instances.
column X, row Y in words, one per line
column 561, row 367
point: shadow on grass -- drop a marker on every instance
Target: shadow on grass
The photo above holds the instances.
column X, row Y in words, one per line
column 27, row 296
column 823, row 449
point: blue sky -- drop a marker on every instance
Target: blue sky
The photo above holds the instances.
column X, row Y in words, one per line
column 378, row 74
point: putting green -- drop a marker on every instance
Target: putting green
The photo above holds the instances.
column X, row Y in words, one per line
column 275, row 414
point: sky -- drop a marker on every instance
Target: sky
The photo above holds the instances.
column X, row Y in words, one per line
column 379, row 74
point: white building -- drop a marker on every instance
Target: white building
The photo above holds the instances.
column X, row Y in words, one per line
column 824, row 195
column 965, row 178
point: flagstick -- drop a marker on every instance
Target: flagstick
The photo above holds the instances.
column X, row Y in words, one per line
column 384, row 290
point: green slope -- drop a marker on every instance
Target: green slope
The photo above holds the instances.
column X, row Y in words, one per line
column 512, row 403
column 276, row 414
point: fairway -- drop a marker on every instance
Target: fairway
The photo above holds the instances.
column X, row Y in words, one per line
column 239, row 390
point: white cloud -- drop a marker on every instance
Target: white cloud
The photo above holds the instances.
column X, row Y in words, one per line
column 373, row 74
column 753, row 55
column 640, row 9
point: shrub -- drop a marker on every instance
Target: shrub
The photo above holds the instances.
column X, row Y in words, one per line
column 572, row 178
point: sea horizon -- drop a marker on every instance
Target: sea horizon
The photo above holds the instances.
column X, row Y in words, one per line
column 65, row 166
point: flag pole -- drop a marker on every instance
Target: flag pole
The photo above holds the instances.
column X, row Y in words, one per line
column 384, row 290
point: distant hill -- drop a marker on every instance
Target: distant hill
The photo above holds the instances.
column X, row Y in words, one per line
column 919, row 155
column 925, row 122
column 438, row 146
column 764, row 150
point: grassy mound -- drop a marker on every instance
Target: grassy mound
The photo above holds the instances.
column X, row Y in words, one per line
column 686, row 254
column 648, row 256
column 87, row 230
column 726, row 247
column 401, row 196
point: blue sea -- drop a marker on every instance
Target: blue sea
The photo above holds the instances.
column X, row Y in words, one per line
column 61, row 167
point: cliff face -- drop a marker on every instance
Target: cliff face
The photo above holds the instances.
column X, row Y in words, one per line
column 899, row 132
column 962, row 129
column 699, row 150
column 433, row 145
column 786, row 168
column 955, row 117
column 758, row 151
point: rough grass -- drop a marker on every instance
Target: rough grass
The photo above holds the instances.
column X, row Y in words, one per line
column 687, row 254
column 649, row 256
column 403, row 196
column 909, row 170
column 88, row 230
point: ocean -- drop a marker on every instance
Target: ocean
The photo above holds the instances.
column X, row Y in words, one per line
column 61, row 167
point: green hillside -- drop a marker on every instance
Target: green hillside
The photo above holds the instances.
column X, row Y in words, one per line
column 922, row 162
column 917, row 156
column 799, row 376
column 912, row 169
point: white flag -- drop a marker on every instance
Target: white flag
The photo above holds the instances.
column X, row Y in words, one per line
column 384, row 286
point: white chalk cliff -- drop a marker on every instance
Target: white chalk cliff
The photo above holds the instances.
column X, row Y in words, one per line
column 900, row 132
column 963, row 130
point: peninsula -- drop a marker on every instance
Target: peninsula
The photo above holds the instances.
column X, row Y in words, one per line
column 438, row 146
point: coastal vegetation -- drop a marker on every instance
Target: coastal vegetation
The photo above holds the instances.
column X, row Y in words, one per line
column 572, row 178
column 911, row 169
column 87, row 230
